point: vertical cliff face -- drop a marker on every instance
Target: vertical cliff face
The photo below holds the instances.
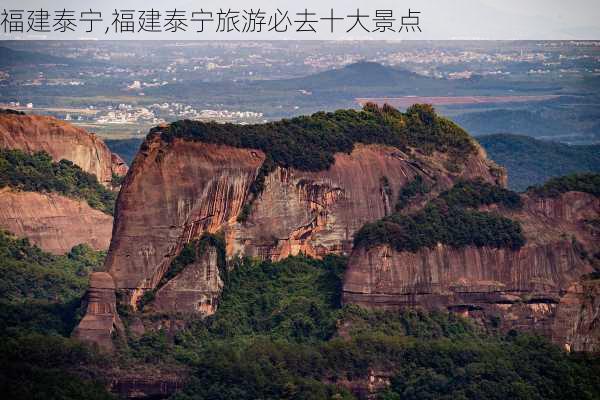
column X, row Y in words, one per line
column 180, row 189
column 53, row 222
column 577, row 322
column 194, row 290
column 318, row 212
column 32, row 133
column 101, row 321
column 173, row 193
column 522, row 289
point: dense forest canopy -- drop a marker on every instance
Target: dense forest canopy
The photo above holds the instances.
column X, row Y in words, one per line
column 452, row 218
column 310, row 142
column 38, row 173
column 531, row 161
column 280, row 332
column 583, row 182
column 29, row 273
column 40, row 304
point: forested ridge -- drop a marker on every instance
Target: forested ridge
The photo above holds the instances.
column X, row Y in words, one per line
column 310, row 142
column 281, row 330
column 452, row 218
column 37, row 172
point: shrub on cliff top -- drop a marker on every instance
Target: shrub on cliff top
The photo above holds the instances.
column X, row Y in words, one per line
column 450, row 219
column 192, row 251
column 310, row 142
column 415, row 187
column 584, row 182
column 38, row 173
column 476, row 193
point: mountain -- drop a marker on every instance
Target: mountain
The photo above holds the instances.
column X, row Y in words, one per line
column 56, row 183
column 34, row 133
column 359, row 75
column 530, row 161
column 11, row 58
column 276, row 190
column 309, row 258
column 520, row 264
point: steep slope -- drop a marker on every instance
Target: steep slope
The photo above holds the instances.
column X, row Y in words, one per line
column 532, row 162
column 274, row 190
column 519, row 287
column 53, row 222
column 55, row 205
column 34, row 133
column 54, row 182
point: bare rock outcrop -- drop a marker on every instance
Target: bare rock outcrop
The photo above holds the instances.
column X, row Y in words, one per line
column 178, row 190
column 101, row 321
column 196, row 289
column 535, row 288
column 172, row 194
column 54, row 222
column 32, row 133
column 577, row 322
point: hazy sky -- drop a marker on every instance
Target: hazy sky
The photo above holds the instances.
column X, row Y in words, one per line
column 440, row 19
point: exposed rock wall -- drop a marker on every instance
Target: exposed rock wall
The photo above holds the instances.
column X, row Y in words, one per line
column 53, row 222
column 522, row 288
column 577, row 322
column 101, row 320
column 61, row 140
column 196, row 289
column 318, row 212
column 176, row 191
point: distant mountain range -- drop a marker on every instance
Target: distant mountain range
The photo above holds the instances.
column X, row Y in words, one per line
column 10, row 57
column 358, row 75
column 531, row 161
column 572, row 124
column 339, row 88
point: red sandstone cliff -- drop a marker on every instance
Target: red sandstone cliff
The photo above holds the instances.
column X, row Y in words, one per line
column 101, row 321
column 525, row 289
column 53, row 222
column 61, row 140
column 577, row 322
column 176, row 191
column 196, row 289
